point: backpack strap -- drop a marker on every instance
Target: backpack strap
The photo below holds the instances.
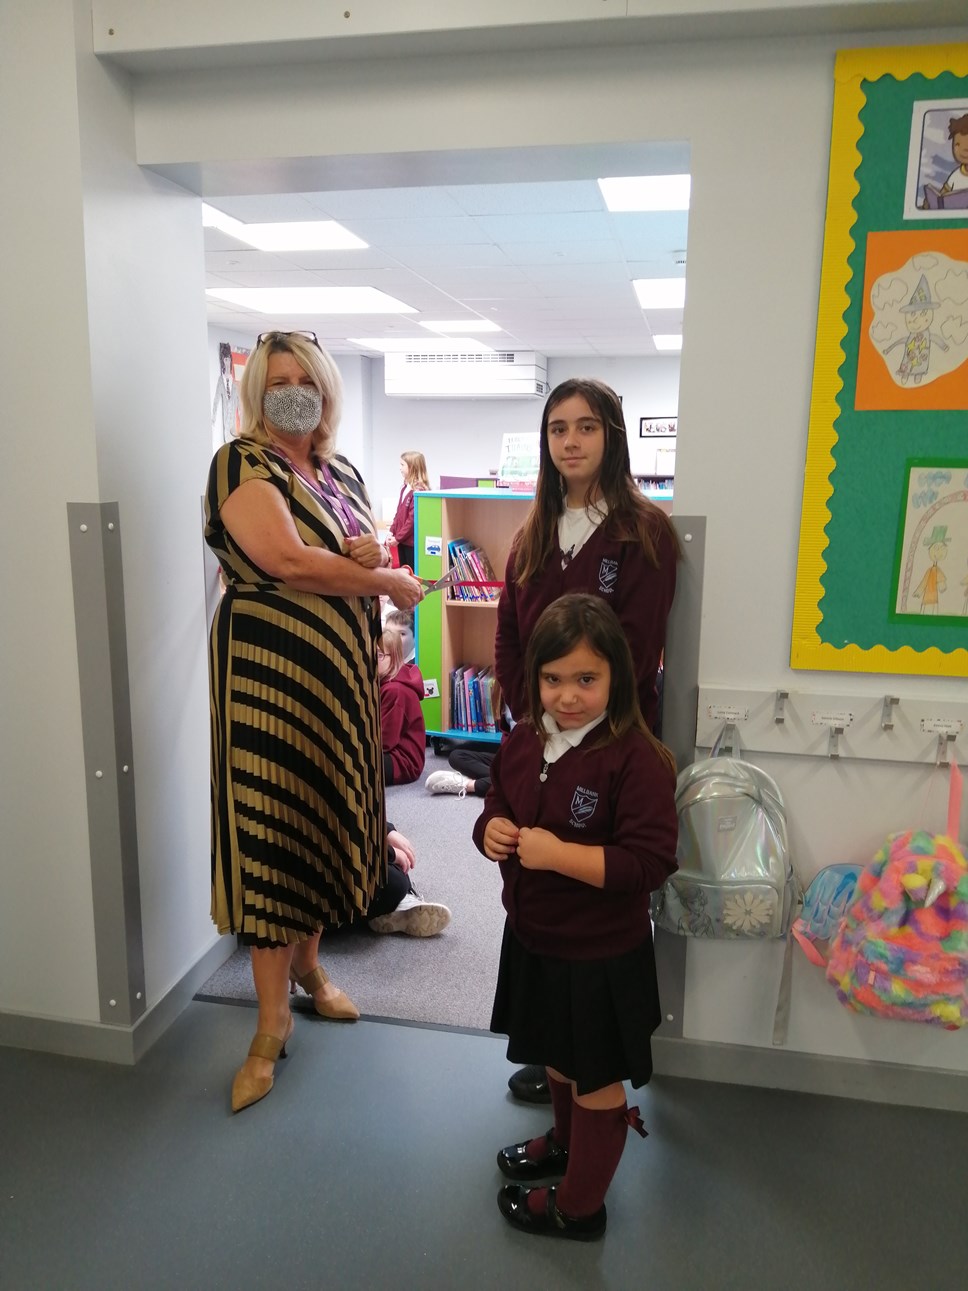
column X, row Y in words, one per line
column 806, row 944
column 954, row 801
column 781, row 1015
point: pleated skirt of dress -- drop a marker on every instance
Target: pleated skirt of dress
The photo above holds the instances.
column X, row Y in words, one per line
column 298, row 817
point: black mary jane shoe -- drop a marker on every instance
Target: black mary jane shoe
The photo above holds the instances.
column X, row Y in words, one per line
column 530, row 1084
column 512, row 1202
column 514, row 1163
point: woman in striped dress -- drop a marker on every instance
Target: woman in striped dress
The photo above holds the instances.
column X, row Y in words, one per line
column 298, row 820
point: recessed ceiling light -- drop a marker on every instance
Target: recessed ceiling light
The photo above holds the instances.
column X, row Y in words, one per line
column 646, row 193
column 295, row 235
column 660, row 293
column 421, row 345
column 463, row 325
column 305, row 301
column 667, row 342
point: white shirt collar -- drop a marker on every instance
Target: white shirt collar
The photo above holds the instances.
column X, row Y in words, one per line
column 561, row 741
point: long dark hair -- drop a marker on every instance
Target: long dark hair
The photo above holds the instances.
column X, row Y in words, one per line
column 631, row 517
column 563, row 626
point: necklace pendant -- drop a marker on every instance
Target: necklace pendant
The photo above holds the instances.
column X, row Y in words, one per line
column 544, row 773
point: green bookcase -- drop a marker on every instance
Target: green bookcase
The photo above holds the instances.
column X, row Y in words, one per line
column 449, row 632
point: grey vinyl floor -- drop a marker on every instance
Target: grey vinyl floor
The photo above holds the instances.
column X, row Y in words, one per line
column 371, row 1164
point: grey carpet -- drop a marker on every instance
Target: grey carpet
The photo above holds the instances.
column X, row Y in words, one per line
column 447, row 979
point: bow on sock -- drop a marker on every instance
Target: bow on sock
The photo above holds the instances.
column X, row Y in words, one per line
column 634, row 1121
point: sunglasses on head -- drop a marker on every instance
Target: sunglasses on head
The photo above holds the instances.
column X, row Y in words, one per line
column 266, row 338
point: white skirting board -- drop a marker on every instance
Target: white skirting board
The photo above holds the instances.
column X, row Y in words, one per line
column 808, row 1073
column 119, row 1044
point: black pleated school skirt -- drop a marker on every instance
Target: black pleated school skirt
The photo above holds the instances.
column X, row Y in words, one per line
column 590, row 1019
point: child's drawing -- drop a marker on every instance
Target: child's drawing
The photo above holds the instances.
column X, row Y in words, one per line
column 935, row 534
column 934, row 582
column 937, row 175
column 921, row 310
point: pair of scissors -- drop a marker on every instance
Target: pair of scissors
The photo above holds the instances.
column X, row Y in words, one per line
column 434, row 585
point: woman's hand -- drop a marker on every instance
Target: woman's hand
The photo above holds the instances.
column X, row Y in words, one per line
column 537, row 849
column 365, row 550
column 500, row 838
column 404, row 857
column 403, row 589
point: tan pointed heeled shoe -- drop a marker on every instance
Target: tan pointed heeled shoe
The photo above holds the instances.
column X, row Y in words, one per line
column 247, row 1089
column 340, row 1008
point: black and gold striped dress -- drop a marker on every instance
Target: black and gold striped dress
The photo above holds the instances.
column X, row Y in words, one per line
column 298, row 816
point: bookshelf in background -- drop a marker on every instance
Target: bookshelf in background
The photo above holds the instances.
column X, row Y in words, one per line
column 451, row 632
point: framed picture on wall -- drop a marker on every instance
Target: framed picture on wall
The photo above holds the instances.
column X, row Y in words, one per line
column 931, row 553
column 657, row 426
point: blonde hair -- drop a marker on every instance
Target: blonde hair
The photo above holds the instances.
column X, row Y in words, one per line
column 416, row 470
column 317, row 364
column 391, row 643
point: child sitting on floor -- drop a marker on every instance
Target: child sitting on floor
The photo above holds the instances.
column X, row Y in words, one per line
column 401, row 717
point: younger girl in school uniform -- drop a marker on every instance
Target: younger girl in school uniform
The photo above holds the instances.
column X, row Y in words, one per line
column 413, row 468
column 404, row 733
column 581, row 816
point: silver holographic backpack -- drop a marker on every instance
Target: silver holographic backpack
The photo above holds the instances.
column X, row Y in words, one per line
column 736, row 877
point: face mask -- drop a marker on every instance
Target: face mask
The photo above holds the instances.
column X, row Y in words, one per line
column 295, row 410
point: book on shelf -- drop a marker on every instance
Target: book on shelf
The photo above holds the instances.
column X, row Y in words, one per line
column 472, row 702
column 475, row 572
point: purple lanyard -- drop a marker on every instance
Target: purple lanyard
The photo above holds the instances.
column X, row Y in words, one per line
column 331, row 494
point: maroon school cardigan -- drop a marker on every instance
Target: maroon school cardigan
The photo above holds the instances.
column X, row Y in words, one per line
column 620, row 797
column 401, row 526
column 618, row 572
column 402, row 723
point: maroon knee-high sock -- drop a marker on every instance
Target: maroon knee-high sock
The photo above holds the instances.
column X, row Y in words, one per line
column 561, row 1102
column 597, row 1143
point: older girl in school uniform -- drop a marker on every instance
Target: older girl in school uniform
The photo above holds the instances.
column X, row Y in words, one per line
column 581, row 817
column 413, row 468
column 590, row 530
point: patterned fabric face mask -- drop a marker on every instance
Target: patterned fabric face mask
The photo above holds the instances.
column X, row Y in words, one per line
column 295, row 410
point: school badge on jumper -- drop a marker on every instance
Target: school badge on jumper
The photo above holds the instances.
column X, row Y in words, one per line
column 583, row 806
column 607, row 576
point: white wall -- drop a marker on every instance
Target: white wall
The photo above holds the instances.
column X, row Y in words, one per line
column 106, row 398
column 46, row 913
column 463, row 436
column 145, row 261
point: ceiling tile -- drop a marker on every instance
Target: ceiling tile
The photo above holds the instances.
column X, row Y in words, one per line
column 528, row 199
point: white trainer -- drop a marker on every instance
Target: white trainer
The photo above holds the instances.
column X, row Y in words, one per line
column 447, row 782
column 413, row 916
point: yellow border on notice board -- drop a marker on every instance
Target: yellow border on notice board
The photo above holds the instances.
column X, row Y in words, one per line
column 852, row 68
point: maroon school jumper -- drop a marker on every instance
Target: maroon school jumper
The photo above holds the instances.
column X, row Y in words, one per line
column 620, row 797
column 402, row 722
column 401, row 526
column 621, row 574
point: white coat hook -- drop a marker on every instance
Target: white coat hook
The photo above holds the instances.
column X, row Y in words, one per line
column 779, row 716
column 945, row 739
column 833, row 741
column 887, row 712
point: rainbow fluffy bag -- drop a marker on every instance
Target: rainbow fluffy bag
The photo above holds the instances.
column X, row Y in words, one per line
column 902, row 948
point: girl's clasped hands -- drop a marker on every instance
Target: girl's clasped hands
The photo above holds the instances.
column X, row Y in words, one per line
column 535, row 848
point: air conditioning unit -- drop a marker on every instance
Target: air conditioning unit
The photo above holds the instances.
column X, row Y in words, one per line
column 511, row 374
